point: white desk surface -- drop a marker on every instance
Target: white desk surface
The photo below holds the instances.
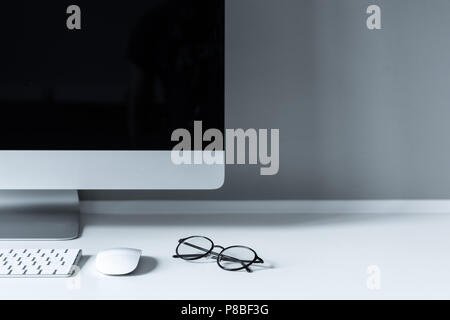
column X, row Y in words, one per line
column 312, row 256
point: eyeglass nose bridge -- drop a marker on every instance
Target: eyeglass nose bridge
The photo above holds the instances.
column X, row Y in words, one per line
column 215, row 254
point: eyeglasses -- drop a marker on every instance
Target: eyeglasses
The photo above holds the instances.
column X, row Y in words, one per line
column 232, row 258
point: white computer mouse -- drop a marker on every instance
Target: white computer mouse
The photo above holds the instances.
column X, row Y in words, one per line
column 117, row 262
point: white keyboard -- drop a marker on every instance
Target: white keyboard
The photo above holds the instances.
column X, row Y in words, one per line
column 38, row 263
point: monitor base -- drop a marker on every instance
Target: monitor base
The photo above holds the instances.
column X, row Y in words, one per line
column 39, row 215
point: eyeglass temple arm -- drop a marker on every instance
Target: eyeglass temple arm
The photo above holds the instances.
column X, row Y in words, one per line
column 215, row 254
column 212, row 253
column 257, row 260
column 200, row 255
column 186, row 255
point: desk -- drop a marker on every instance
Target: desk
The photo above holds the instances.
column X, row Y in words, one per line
column 308, row 256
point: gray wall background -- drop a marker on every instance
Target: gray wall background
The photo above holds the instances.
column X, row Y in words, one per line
column 362, row 114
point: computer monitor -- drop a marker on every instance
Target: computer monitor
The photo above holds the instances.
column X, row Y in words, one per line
column 90, row 95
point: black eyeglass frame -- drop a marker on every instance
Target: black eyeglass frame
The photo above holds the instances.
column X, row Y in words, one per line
column 218, row 256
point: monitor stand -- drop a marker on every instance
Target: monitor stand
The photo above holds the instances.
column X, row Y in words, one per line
column 39, row 215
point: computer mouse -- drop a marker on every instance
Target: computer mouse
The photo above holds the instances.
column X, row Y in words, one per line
column 117, row 262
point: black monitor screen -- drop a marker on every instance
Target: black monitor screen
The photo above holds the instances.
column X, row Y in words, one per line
column 113, row 75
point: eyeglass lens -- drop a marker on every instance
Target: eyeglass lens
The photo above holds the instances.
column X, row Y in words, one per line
column 235, row 258
column 194, row 248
